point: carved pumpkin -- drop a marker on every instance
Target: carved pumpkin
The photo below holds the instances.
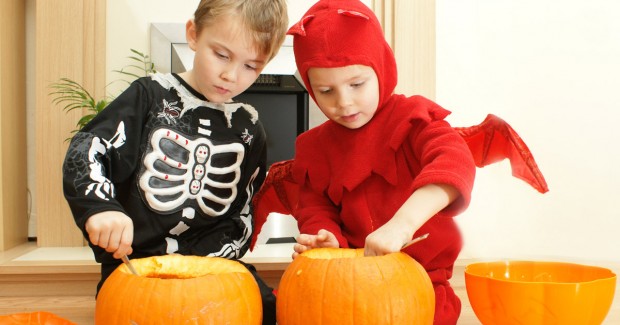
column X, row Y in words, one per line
column 340, row 286
column 177, row 289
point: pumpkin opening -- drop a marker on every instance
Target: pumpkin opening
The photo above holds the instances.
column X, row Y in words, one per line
column 335, row 253
column 183, row 267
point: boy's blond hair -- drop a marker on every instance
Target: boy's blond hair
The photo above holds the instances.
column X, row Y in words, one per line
column 266, row 20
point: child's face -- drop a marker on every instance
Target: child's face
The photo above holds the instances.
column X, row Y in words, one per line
column 347, row 95
column 226, row 62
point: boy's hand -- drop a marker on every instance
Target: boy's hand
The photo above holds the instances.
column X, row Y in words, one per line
column 422, row 205
column 389, row 238
column 112, row 231
column 323, row 238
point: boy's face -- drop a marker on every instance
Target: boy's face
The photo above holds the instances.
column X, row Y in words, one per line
column 347, row 95
column 226, row 62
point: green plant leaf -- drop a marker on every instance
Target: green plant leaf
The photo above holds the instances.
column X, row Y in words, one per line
column 70, row 95
column 84, row 120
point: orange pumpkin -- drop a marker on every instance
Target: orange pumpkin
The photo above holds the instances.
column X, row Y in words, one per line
column 34, row 318
column 327, row 286
column 177, row 289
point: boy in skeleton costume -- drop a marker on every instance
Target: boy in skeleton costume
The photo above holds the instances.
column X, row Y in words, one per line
column 171, row 165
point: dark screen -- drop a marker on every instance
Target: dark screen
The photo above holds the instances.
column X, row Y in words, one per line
column 279, row 114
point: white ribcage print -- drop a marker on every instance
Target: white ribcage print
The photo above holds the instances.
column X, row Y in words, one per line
column 179, row 169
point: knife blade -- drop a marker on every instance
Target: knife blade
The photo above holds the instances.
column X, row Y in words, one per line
column 129, row 265
column 415, row 240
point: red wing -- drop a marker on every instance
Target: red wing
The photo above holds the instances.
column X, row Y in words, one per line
column 494, row 140
column 279, row 193
column 491, row 141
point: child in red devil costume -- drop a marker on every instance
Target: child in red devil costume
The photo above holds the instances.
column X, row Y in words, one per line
column 384, row 168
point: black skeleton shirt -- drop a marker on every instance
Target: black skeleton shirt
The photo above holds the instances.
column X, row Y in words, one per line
column 184, row 169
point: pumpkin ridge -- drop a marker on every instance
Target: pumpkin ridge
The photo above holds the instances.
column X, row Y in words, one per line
column 408, row 284
column 291, row 306
column 221, row 286
column 243, row 294
column 325, row 267
column 421, row 301
column 312, row 312
column 355, row 289
column 383, row 278
column 281, row 301
column 133, row 306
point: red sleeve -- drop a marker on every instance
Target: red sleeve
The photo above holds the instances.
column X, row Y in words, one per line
column 316, row 212
column 444, row 158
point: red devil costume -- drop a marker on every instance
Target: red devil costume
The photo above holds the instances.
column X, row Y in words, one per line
column 352, row 181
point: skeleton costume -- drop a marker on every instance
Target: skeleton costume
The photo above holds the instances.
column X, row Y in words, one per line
column 352, row 181
column 184, row 169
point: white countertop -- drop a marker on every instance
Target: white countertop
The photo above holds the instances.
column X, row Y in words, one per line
column 262, row 252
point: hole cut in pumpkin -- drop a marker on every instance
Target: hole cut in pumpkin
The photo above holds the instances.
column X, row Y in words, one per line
column 334, row 253
column 183, row 267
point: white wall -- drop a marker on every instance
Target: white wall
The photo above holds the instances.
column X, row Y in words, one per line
column 549, row 68
column 128, row 24
column 552, row 70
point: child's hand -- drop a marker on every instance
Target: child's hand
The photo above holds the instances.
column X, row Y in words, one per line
column 389, row 238
column 112, row 231
column 422, row 205
column 323, row 238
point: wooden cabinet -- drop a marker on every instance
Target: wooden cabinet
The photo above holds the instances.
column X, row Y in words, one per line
column 13, row 193
column 70, row 42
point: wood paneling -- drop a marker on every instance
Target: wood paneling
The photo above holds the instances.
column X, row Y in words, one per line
column 13, row 192
column 409, row 27
column 70, row 42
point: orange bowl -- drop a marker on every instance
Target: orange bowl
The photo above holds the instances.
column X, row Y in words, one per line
column 530, row 292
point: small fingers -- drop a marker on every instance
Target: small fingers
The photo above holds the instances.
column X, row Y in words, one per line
column 306, row 240
column 376, row 248
column 298, row 248
column 103, row 238
column 112, row 231
column 127, row 239
column 326, row 239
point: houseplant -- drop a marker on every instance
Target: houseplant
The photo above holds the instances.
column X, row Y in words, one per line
column 72, row 95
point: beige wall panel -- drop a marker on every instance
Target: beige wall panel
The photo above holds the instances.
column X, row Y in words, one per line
column 409, row 27
column 70, row 41
column 13, row 193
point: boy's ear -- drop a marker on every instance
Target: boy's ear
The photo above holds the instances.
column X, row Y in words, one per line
column 191, row 34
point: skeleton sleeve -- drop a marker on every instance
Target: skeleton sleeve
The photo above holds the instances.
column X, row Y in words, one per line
column 105, row 154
